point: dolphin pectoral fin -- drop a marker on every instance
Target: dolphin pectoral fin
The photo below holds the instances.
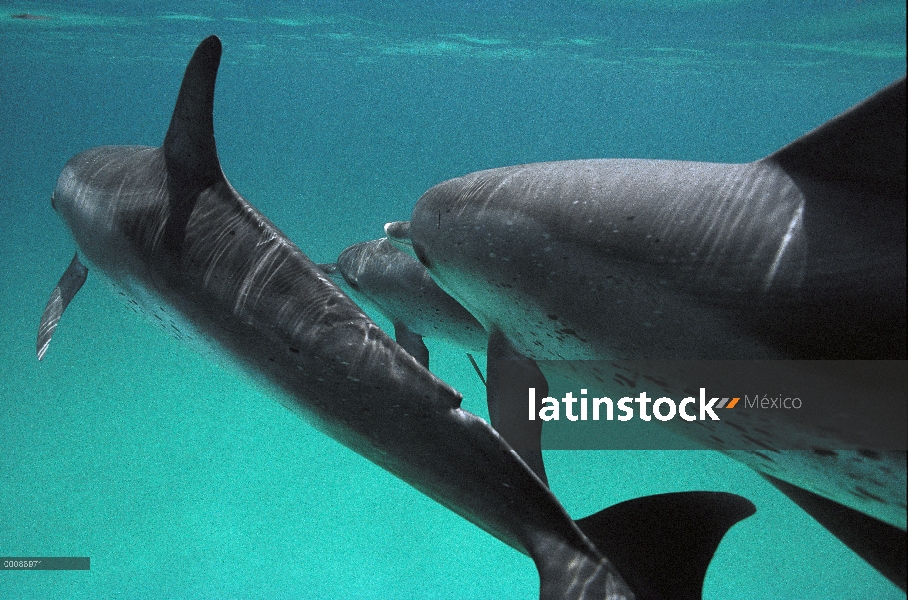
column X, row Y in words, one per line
column 69, row 284
column 882, row 545
column 508, row 376
column 412, row 343
column 663, row 544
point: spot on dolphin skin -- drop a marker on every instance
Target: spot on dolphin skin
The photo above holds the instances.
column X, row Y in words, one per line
column 763, row 456
column 754, row 440
column 30, row 17
column 860, row 492
column 622, row 380
column 871, row 454
column 824, row 452
column 571, row 332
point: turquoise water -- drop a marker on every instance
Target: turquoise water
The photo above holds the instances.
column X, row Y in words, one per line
column 182, row 480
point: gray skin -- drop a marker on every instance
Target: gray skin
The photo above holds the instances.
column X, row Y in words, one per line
column 167, row 229
column 800, row 255
column 403, row 290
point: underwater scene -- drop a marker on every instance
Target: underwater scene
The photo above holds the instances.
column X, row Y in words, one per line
column 180, row 476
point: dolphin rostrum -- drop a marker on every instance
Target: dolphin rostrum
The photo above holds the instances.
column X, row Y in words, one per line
column 165, row 226
column 799, row 255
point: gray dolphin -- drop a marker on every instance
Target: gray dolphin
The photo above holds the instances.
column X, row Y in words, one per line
column 798, row 255
column 165, row 226
column 399, row 287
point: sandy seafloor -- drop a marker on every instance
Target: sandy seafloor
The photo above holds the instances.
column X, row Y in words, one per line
column 181, row 479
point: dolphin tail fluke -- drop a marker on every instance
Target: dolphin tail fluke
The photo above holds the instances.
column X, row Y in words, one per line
column 69, row 284
column 663, row 544
column 862, row 148
column 882, row 545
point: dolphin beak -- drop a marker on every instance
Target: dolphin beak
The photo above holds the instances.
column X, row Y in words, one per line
column 398, row 234
column 329, row 269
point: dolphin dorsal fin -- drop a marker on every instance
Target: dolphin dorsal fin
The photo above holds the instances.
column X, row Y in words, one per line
column 862, row 148
column 189, row 147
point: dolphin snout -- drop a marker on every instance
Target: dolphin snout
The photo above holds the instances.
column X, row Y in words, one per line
column 398, row 234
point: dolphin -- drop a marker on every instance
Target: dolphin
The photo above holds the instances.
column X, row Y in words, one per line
column 167, row 229
column 798, row 255
column 399, row 287
column 395, row 284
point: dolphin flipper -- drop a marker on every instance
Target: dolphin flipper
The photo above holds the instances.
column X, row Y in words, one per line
column 508, row 375
column 70, row 283
column 663, row 544
column 882, row 545
column 412, row 343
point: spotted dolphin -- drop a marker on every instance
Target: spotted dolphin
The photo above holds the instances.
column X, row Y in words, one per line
column 168, row 230
column 799, row 255
column 400, row 288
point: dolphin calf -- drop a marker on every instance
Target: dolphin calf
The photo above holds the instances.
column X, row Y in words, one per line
column 799, row 255
column 166, row 228
column 399, row 287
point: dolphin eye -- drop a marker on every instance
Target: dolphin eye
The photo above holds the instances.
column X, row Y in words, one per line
column 421, row 256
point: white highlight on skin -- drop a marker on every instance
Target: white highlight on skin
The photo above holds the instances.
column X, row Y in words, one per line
column 793, row 226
